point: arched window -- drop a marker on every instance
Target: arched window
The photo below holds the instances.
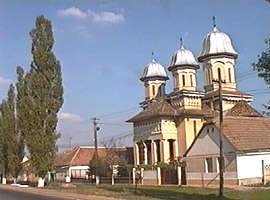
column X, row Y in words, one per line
column 153, row 90
column 191, row 81
column 183, row 79
column 230, row 76
column 219, row 74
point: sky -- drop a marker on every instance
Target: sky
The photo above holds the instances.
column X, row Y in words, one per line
column 104, row 45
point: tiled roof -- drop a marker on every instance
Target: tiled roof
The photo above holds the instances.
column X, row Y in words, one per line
column 247, row 133
column 81, row 155
column 160, row 107
column 242, row 108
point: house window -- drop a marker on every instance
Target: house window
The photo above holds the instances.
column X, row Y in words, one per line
column 191, row 81
column 211, row 165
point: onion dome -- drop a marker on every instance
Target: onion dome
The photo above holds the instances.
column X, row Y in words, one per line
column 183, row 58
column 154, row 71
column 217, row 43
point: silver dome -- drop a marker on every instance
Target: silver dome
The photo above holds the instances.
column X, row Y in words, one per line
column 154, row 71
column 217, row 43
column 183, row 57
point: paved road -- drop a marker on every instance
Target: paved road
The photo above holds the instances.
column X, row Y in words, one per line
column 6, row 194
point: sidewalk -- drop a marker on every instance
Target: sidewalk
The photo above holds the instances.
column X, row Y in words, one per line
column 53, row 193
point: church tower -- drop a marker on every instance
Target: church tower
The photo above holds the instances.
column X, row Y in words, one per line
column 183, row 67
column 154, row 78
column 218, row 58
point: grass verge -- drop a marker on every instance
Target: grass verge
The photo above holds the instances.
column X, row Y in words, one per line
column 163, row 192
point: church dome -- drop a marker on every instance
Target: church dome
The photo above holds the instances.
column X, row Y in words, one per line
column 183, row 57
column 154, row 71
column 216, row 43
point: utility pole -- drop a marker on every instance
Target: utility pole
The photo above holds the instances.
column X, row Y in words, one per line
column 96, row 129
column 221, row 158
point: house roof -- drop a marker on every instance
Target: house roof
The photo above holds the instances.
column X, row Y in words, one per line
column 81, row 155
column 242, row 108
column 247, row 133
column 244, row 133
column 160, row 107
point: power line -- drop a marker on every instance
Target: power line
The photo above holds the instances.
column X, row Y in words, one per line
column 114, row 124
column 119, row 112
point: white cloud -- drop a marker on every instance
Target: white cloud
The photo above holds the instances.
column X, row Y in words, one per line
column 4, row 82
column 69, row 116
column 108, row 17
column 73, row 12
column 97, row 17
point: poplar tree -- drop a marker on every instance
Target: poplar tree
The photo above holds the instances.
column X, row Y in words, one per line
column 42, row 99
column 9, row 136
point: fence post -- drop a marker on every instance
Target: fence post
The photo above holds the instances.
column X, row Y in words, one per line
column 134, row 175
column 159, row 175
column 179, row 175
column 263, row 173
column 142, row 169
column 112, row 179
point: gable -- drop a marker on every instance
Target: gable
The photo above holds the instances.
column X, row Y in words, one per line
column 207, row 143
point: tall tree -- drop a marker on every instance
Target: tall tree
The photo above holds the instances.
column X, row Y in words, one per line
column 263, row 68
column 8, row 133
column 43, row 99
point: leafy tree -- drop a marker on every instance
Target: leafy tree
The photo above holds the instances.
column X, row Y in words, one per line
column 263, row 68
column 40, row 93
column 10, row 139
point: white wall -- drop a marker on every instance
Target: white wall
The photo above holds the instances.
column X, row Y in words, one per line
column 79, row 167
column 249, row 165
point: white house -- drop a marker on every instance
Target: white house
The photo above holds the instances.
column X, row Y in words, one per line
column 246, row 143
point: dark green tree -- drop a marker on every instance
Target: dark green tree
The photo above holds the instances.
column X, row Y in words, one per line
column 262, row 66
column 10, row 139
column 42, row 98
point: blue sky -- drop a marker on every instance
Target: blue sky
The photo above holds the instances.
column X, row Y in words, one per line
column 104, row 45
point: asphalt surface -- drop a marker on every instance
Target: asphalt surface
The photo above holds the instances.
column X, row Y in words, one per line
column 7, row 194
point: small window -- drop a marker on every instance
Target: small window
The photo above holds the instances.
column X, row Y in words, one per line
column 191, row 81
column 195, row 128
column 209, row 165
column 219, row 74
column 230, row 76
column 184, row 81
column 153, row 90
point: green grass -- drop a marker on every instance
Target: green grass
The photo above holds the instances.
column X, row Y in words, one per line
column 165, row 192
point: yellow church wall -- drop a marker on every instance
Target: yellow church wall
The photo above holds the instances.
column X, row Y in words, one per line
column 186, row 132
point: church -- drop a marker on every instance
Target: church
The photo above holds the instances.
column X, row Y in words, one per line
column 168, row 124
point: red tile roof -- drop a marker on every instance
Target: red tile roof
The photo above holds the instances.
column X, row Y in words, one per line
column 82, row 155
column 244, row 133
column 247, row 133
column 157, row 108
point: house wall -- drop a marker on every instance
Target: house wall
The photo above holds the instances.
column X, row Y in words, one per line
column 249, row 167
column 207, row 146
